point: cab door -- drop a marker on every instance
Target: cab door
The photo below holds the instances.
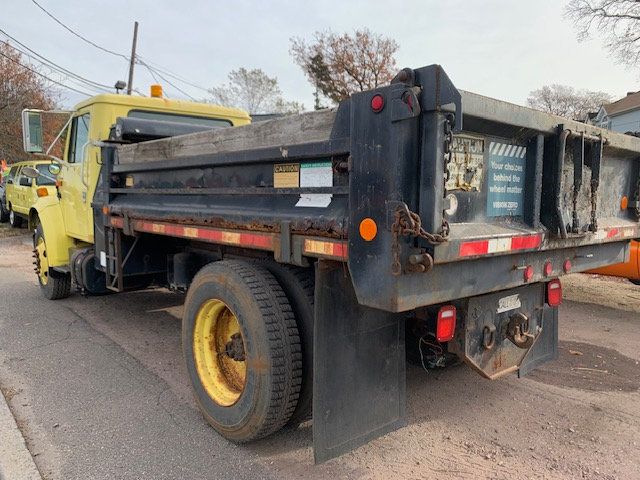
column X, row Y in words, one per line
column 74, row 200
column 22, row 187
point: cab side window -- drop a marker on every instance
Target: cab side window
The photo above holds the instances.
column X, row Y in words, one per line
column 79, row 138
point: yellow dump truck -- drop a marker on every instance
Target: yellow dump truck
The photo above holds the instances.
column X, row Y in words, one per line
column 65, row 219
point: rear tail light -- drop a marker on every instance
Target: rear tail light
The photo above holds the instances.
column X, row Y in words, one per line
column 566, row 266
column 377, row 103
column 528, row 273
column 554, row 293
column 446, row 325
column 548, row 269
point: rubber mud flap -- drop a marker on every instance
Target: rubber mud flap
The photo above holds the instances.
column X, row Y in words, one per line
column 545, row 348
column 359, row 384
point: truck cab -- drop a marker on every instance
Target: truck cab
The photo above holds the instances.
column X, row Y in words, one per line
column 65, row 220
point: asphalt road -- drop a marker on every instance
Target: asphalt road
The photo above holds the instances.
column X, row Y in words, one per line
column 99, row 390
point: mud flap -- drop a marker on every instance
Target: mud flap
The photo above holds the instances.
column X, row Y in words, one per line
column 359, row 379
column 546, row 346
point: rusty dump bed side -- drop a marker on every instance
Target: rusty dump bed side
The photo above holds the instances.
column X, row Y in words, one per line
column 465, row 191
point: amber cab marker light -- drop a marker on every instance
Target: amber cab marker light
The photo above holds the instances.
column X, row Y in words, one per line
column 42, row 192
column 624, row 203
column 368, row 229
column 156, row 90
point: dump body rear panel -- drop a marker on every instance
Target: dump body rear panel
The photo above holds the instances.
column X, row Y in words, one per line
column 508, row 186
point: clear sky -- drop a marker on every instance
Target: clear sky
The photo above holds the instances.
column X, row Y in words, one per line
column 499, row 48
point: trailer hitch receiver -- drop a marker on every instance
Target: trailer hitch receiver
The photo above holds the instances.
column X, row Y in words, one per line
column 518, row 331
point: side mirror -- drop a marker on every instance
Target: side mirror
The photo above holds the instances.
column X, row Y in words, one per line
column 32, row 131
column 54, row 168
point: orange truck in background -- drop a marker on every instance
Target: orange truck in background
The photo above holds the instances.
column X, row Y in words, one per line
column 630, row 269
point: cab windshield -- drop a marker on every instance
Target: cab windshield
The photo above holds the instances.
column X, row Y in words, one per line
column 45, row 178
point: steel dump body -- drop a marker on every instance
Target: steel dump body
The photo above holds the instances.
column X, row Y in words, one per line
column 513, row 193
column 401, row 199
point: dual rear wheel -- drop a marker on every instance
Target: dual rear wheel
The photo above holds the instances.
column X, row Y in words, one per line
column 243, row 350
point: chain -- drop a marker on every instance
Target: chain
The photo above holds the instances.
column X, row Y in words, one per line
column 594, row 205
column 408, row 224
column 637, row 199
column 448, row 148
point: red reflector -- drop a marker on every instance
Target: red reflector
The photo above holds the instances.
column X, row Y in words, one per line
column 523, row 243
column 446, row 326
column 554, row 293
column 470, row 249
column 528, row 273
column 548, row 269
column 377, row 103
column 566, row 266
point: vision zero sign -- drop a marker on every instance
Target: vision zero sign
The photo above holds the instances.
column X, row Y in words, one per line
column 505, row 179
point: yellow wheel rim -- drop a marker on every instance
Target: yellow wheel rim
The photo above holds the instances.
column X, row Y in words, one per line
column 219, row 352
column 42, row 262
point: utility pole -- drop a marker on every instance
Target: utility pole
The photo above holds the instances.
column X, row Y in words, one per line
column 133, row 58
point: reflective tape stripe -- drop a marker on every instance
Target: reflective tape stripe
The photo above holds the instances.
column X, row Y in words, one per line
column 326, row 248
column 499, row 245
column 264, row 241
column 256, row 240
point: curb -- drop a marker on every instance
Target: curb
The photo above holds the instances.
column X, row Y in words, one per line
column 16, row 462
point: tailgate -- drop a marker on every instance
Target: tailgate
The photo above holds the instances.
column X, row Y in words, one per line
column 520, row 180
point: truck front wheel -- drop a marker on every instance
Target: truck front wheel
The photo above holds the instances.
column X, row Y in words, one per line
column 54, row 285
column 242, row 350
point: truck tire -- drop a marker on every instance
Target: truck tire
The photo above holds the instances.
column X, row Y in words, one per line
column 53, row 285
column 4, row 213
column 298, row 284
column 14, row 220
column 242, row 350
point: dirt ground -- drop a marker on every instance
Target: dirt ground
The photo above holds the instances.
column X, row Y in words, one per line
column 7, row 231
column 575, row 418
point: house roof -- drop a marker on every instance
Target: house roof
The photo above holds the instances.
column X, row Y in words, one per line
column 630, row 102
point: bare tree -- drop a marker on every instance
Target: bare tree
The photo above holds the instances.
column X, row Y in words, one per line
column 253, row 91
column 618, row 21
column 20, row 87
column 567, row 101
column 339, row 65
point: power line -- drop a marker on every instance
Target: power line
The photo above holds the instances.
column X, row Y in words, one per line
column 53, row 64
column 173, row 75
column 159, row 70
column 53, row 70
column 167, row 80
column 70, row 30
column 44, row 76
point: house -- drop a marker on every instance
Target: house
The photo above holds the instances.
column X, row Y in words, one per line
column 620, row 116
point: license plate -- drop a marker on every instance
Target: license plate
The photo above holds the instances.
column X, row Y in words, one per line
column 510, row 302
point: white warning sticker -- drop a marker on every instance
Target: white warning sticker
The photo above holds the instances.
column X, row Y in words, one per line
column 315, row 174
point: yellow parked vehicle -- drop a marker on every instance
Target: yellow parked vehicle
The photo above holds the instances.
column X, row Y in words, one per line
column 64, row 222
column 23, row 191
